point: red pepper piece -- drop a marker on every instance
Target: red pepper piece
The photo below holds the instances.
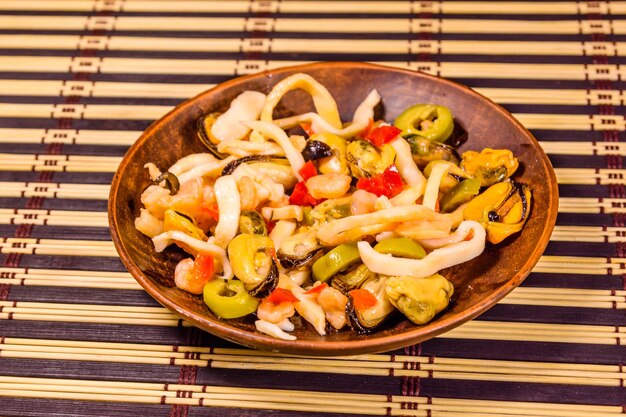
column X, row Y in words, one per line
column 281, row 295
column 308, row 171
column 203, row 267
column 389, row 183
column 393, row 181
column 307, row 129
column 382, row 134
column 362, row 299
column 317, row 288
column 300, row 196
column 363, row 133
column 212, row 211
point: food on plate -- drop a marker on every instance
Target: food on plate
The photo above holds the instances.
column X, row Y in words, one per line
column 341, row 224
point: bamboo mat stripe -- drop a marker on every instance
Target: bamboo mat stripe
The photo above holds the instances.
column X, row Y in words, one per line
column 103, row 89
column 126, row 138
column 477, row 330
column 143, row 112
column 78, row 163
column 555, row 297
column 335, row 7
column 255, row 398
column 313, row 25
column 373, row 365
column 151, row 66
column 328, row 46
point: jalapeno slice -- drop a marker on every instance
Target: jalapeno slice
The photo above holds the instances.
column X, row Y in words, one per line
column 426, row 120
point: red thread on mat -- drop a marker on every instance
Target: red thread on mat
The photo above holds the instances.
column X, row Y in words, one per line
column 188, row 373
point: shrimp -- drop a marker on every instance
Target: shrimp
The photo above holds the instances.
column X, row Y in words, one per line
column 185, row 280
column 272, row 313
column 362, row 202
column 328, row 185
column 333, row 302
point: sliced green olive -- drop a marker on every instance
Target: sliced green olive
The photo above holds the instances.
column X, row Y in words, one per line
column 402, row 247
column 336, row 260
column 228, row 299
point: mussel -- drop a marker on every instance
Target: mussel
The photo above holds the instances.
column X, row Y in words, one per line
column 252, row 222
column 253, row 263
column 367, row 320
column 174, row 220
column 490, row 166
column 366, row 160
column 204, row 125
column 299, row 250
column 352, row 279
column 332, row 209
column 169, row 180
column 419, row 299
column 425, row 151
column 502, row 209
column 278, row 169
column 452, row 178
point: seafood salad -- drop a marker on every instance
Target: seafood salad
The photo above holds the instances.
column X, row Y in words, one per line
column 342, row 224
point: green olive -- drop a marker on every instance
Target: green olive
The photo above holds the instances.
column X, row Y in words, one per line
column 228, row 299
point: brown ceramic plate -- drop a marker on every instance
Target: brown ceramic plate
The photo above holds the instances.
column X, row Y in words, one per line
column 479, row 284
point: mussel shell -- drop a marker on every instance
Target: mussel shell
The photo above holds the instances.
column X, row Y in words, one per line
column 355, row 319
column 268, row 285
column 425, row 151
column 352, row 279
column 458, row 136
column 293, row 261
column 203, row 125
column 357, row 324
column 232, row 166
column 171, row 182
column 252, row 222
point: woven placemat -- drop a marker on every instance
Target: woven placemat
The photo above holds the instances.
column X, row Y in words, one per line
column 80, row 80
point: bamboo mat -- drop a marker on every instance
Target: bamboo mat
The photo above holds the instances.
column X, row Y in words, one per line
column 81, row 79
